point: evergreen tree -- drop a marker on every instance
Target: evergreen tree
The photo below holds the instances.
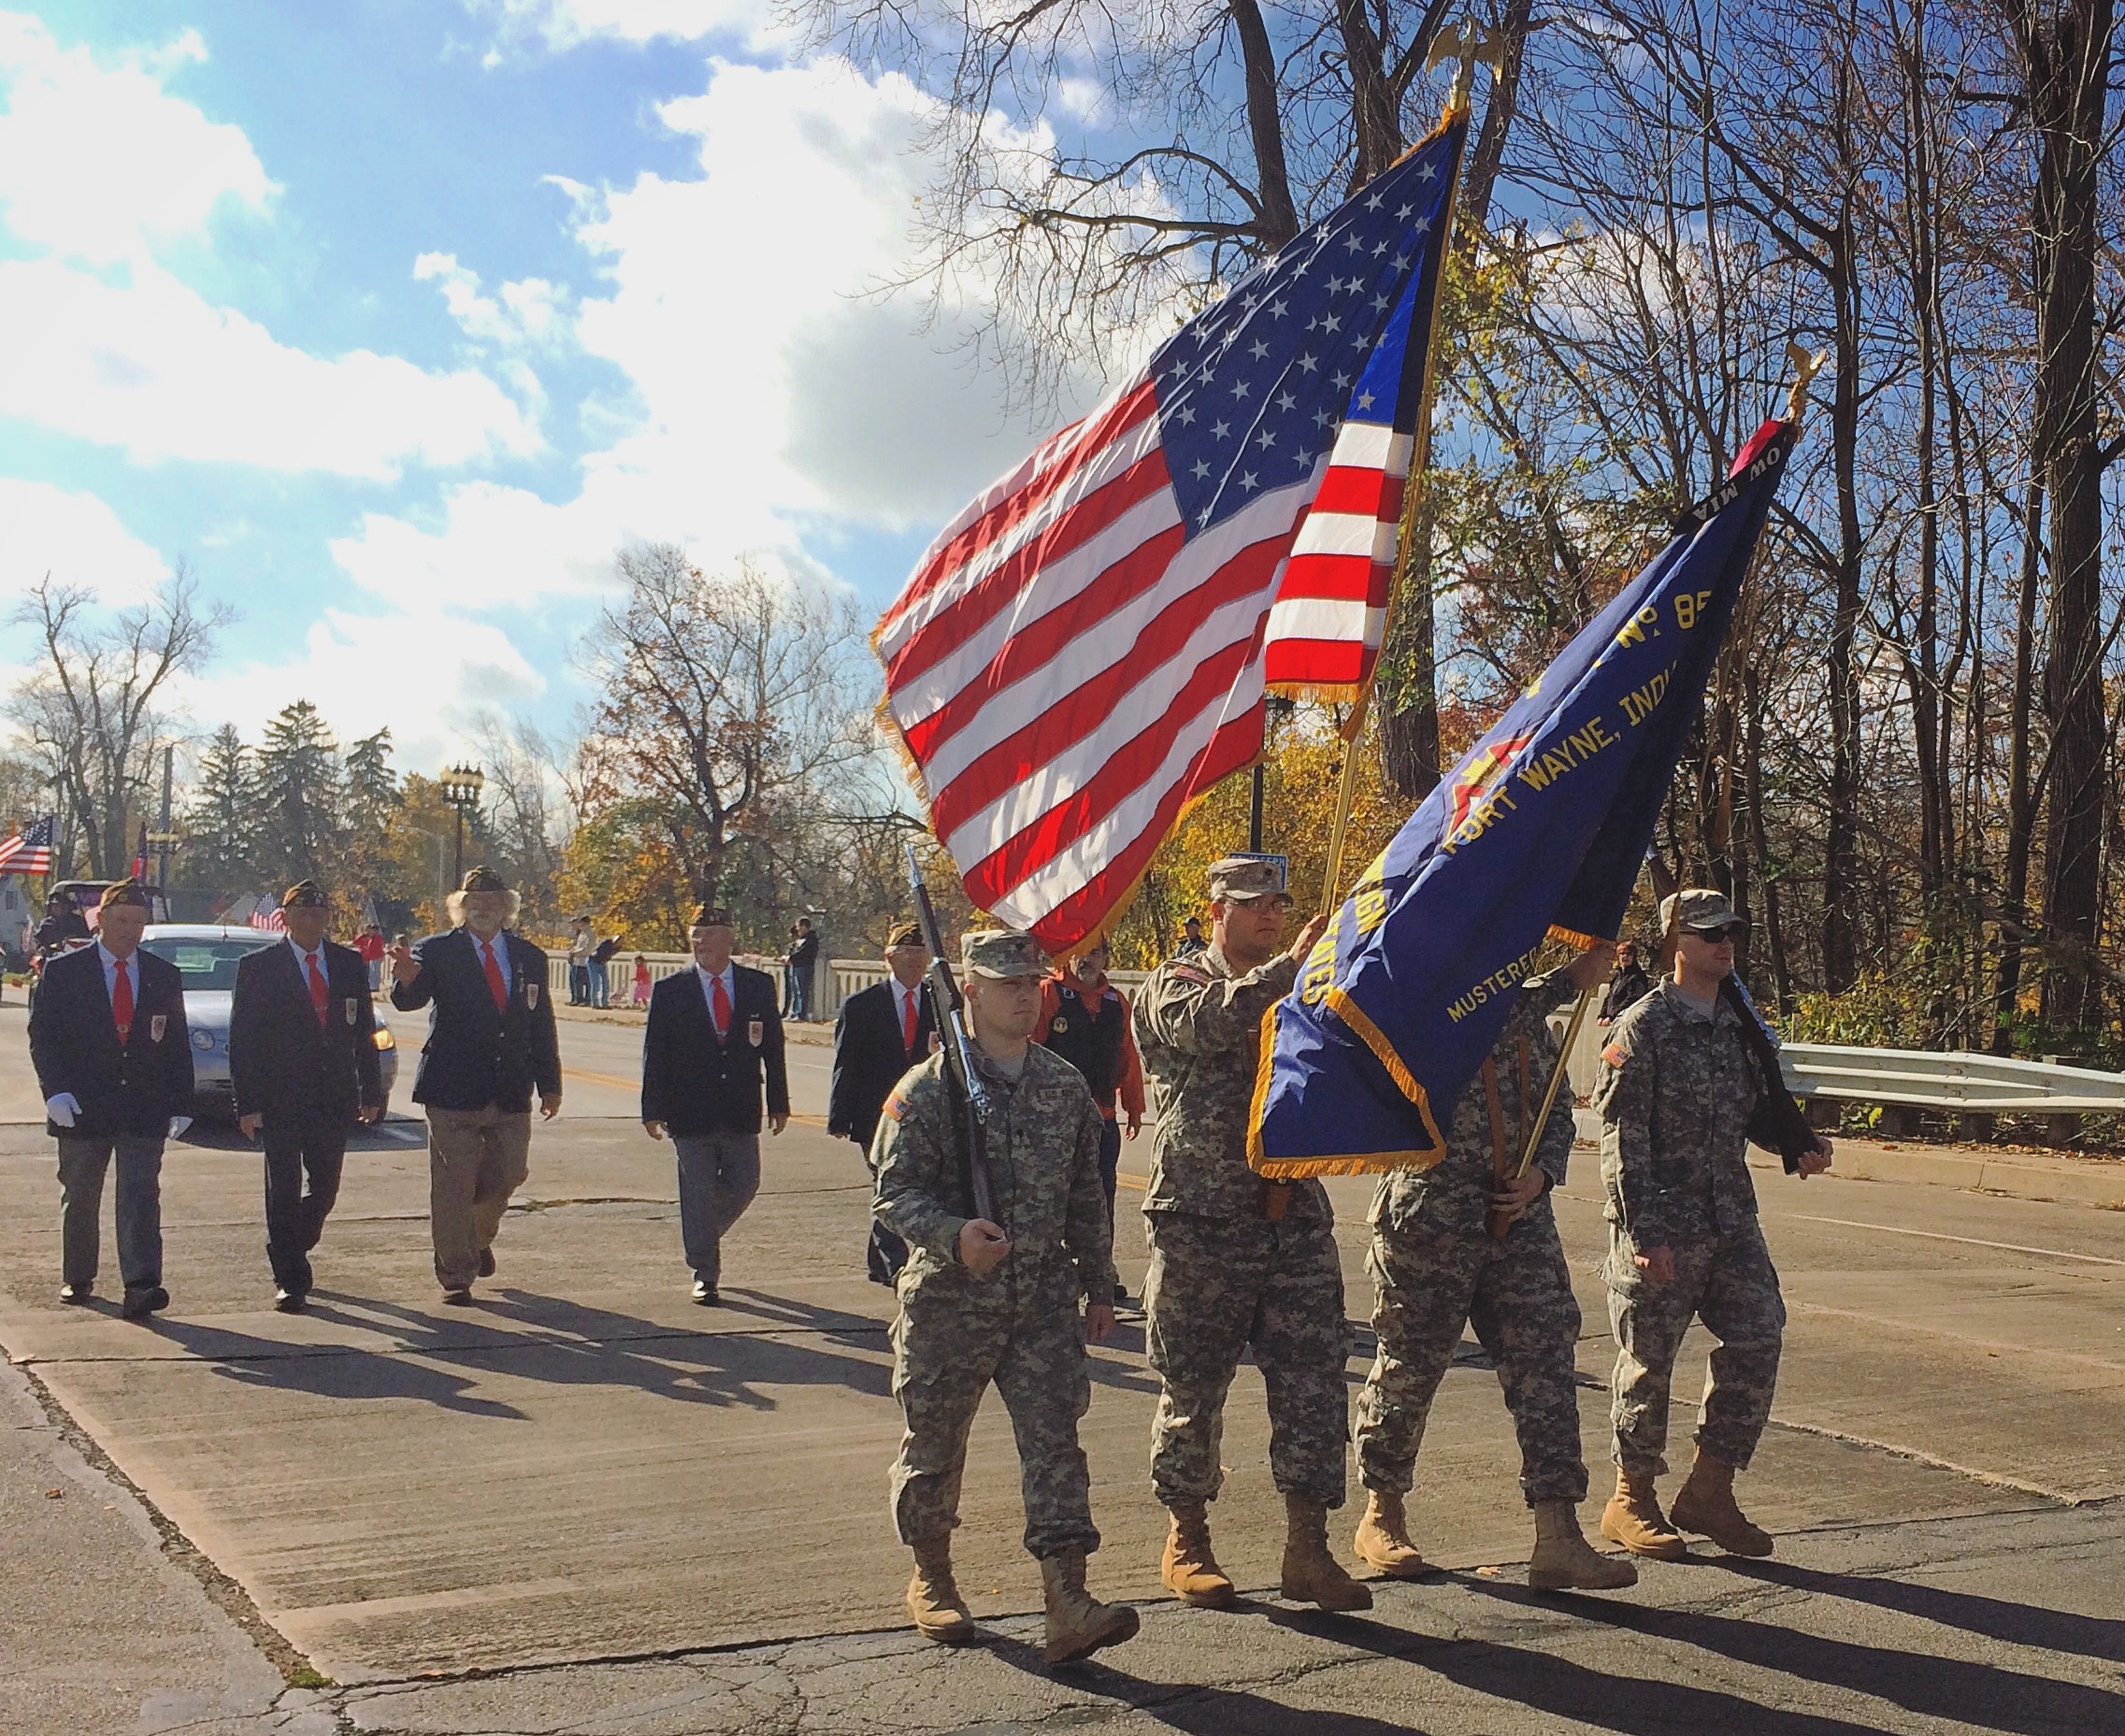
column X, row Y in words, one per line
column 222, row 818
column 372, row 786
column 301, row 796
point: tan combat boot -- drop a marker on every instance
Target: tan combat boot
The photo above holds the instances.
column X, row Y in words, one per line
column 1078, row 1623
column 1311, row 1575
column 1188, row 1570
column 1565, row 1561
column 1634, row 1518
column 1706, row 1504
column 1383, row 1538
column 939, row 1613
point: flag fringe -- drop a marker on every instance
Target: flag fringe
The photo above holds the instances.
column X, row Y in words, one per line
column 1299, row 1169
column 1571, row 937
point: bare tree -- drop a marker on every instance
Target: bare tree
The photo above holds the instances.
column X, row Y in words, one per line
column 92, row 711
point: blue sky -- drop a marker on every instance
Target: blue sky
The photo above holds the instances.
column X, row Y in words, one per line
column 393, row 318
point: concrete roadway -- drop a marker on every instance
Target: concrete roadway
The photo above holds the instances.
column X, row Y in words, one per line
column 586, row 1505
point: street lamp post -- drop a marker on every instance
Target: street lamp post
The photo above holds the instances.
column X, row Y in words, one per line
column 461, row 790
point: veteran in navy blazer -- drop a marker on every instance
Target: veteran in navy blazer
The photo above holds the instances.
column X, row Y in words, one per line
column 303, row 1060
column 490, row 1043
column 714, row 1038
column 113, row 1058
column 879, row 1034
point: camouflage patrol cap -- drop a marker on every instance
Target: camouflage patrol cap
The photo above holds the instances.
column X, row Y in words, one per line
column 123, row 892
column 711, row 916
column 1698, row 909
column 904, row 934
column 482, row 880
column 305, row 895
column 1244, row 879
column 1001, row 952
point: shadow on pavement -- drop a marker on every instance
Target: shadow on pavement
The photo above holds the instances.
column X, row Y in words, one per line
column 1950, row 1688
column 350, row 1374
column 2017, row 1624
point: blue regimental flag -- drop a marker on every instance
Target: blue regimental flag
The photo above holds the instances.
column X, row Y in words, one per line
column 1538, row 833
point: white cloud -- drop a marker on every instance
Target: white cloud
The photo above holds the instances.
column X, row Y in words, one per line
column 74, row 538
column 529, row 310
column 145, row 363
column 559, row 25
column 98, row 162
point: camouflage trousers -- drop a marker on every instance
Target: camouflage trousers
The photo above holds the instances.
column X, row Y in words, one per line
column 1726, row 1282
column 1219, row 1287
column 945, row 1355
column 1517, row 1296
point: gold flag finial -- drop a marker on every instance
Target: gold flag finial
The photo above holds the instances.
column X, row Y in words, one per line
column 1806, row 363
column 1467, row 42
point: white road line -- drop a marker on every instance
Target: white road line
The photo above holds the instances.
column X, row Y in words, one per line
column 1968, row 1242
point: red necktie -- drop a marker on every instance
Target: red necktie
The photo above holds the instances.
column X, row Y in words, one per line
column 719, row 1007
column 495, row 986
column 907, row 1021
column 318, row 997
column 122, row 1000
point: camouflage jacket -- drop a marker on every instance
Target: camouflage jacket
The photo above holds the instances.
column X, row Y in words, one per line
column 1043, row 1160
column 1453, row 1197
column 1198, row 1028
column 1675, row 1095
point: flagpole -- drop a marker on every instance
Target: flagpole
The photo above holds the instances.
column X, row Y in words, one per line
column 1471, row 44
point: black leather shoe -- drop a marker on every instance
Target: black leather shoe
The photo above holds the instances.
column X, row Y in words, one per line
column 458, row 1299
column 289, row 1301
column 146, row 1299
column 77, row 1292
column 486, row 1262
column 706, row 1293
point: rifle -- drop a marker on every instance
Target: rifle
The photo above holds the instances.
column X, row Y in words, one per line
column 969, row 1098
column 1777, row 1123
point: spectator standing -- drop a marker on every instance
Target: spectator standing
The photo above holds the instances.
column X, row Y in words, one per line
column 714, row 1032
column 803, row 959
column 368, row 944
column 1192, row 943
column 581, row 945
column 113, row 1059
column 1629, row 984
column 491, row 1040
column 601, row 970
column 641, row 981
column 1086, row 1019
column 879, row 1034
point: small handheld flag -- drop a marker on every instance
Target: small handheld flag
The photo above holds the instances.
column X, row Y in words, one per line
column 1538, row 833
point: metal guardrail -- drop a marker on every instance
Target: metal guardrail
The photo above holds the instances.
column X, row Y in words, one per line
column 1957, row 1081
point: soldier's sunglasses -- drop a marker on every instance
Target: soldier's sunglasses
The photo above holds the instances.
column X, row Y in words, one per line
column 1736, row 932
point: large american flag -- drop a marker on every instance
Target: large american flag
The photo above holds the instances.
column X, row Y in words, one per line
column 30, row 852
column 1084, row 649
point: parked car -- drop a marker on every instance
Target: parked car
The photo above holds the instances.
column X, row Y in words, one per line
column 205, row 955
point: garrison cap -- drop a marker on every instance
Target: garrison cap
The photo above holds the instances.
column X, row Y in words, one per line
column 904, row 934
column 1001, row 953
column 123, row 892
column 1244, row 879
column 711, row 916
column 1697, row 909
column 305, row 895
column 482, row 880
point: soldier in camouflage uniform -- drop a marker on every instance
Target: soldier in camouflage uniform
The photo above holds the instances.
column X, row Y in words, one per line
column 1679, row 1085
column 983, row 1303
column 1237, row 1263
column 1436, row 1267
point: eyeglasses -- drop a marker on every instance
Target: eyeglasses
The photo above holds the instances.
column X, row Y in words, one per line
column 1726, row 931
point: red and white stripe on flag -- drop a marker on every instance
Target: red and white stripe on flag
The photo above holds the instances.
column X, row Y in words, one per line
column 1331, row 612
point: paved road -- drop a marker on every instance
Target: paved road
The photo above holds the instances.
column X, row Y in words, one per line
column 586, row 1469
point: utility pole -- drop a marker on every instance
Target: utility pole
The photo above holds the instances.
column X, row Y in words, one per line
column 163, row 848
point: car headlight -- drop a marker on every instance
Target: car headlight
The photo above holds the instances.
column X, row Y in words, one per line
column 384, row 1039
column 203, row 1040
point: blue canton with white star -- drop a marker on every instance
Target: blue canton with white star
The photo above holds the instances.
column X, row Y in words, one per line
column 1252, row 392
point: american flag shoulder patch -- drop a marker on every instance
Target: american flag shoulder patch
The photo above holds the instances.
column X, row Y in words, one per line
column 895, row 1105
column 1187, row 973
column 1615, row 1054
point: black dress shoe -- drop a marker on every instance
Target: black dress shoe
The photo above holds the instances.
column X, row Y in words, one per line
column 706, row 1293
column 289, row 1301
column 458, row 1299
column 144, row 1300
column 486, row 1262
column 77, row 1292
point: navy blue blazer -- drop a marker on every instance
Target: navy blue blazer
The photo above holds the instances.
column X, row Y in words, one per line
column 282, row 1061
column 130, row 1091
column 476, row 1056
column 694, row 1083
column 869, row 1058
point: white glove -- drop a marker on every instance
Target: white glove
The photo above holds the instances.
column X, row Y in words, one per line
column 62, row 1109
column 178, row 1126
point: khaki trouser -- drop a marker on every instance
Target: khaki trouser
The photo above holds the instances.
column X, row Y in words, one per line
column 476, row 1158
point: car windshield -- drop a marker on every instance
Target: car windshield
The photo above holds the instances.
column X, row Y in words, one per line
column 203, row 964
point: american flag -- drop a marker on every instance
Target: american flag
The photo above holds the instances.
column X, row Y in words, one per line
column 30, row 852
column 1084, row 651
